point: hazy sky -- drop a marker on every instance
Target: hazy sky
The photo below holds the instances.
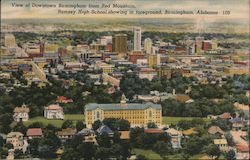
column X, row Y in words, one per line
column 239, row 8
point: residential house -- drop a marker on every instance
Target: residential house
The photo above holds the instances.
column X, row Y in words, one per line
column 222, row 144
column 34, row 133
column 105, row 130
column 62, row 99
column 215, row 130
column 147, row 73
column 124, row 135
column 175, row 137
column 65, row 134
column 189, row 132
column 16, row 139
column 242, row 151
column 225, row 115
column 88, row 135
column 53, row 111
column 237, row 123
column 153, row 131
column 21, row 113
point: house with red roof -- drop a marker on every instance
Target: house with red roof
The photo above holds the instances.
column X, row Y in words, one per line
column 154, row 131
column 225, row 115
column 53, row 111
column 242, row 151
column 62, row 99
column 34, row 133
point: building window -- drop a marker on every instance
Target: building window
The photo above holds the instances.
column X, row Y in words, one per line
column 150, row 114
column 98, row 115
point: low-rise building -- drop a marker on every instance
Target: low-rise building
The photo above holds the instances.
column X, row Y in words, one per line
column 215, row 130
column 147, row 73
column 65, row 134
column 34, row 133
column 175, row 137
column 222, row 144
column 242, row 151
column 21, row 113
column 16, row 139
column 88, row 135
column 137, row 114
column 53, row 111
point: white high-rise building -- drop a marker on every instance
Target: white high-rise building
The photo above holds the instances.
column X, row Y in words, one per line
column 148, row 45
column 10, row 41
column 137, row 39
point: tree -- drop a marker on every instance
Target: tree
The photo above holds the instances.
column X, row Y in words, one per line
column 193, row 145
column 213, row 151
column 102, row 153
column 20, row 127
column 9, row 146
column 86, row 150
column 70, row 154
column 36, row 125
column 18, row 153
column 122, row 125
column 104, row 140
column 97, row 124
column 161, row 148
column 141, row 157
column 1, row 141
column 80, row 125
column 67, row 124
column 151, row 125
column 230, row 155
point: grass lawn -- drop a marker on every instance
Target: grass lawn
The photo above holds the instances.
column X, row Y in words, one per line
column 175, row 120
column 147, row 153
column 76, row 117
column 56, row 123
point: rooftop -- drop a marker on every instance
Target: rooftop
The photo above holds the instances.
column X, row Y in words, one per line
column 214, row 130
column 118, row 106
column 153, row 131
column 54, row 107
column 34, row 132
column 220, row 141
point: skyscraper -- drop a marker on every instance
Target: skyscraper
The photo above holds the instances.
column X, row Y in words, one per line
column 119, row 43
column 137, row 39
column 148, row 46
column 198, row 44
column 10, row 40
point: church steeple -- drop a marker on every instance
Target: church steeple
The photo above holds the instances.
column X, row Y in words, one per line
column 123, row 99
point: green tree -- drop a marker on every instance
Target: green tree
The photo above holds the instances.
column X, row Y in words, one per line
column 67, row 124
column 97, row 124
column 151, row 125
column 212, row 150
column 161, row 148
column 104, row 140
column 102, row 153
column 80, row 125
column 2, row 141
column 20, row 127
column 230, row 155
column 141, row 157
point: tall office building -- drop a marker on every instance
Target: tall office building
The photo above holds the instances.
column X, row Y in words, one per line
column 148, row 46
column 10, row 40
column 119, row 44
column 198, row 44
column 137, row 39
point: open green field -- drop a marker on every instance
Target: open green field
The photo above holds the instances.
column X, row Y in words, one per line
column 76, row 117
column 153, row 155
column 147, row 153
column 175, row 120
column 56, row 123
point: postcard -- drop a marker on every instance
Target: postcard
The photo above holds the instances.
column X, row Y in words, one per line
column 124, row 79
